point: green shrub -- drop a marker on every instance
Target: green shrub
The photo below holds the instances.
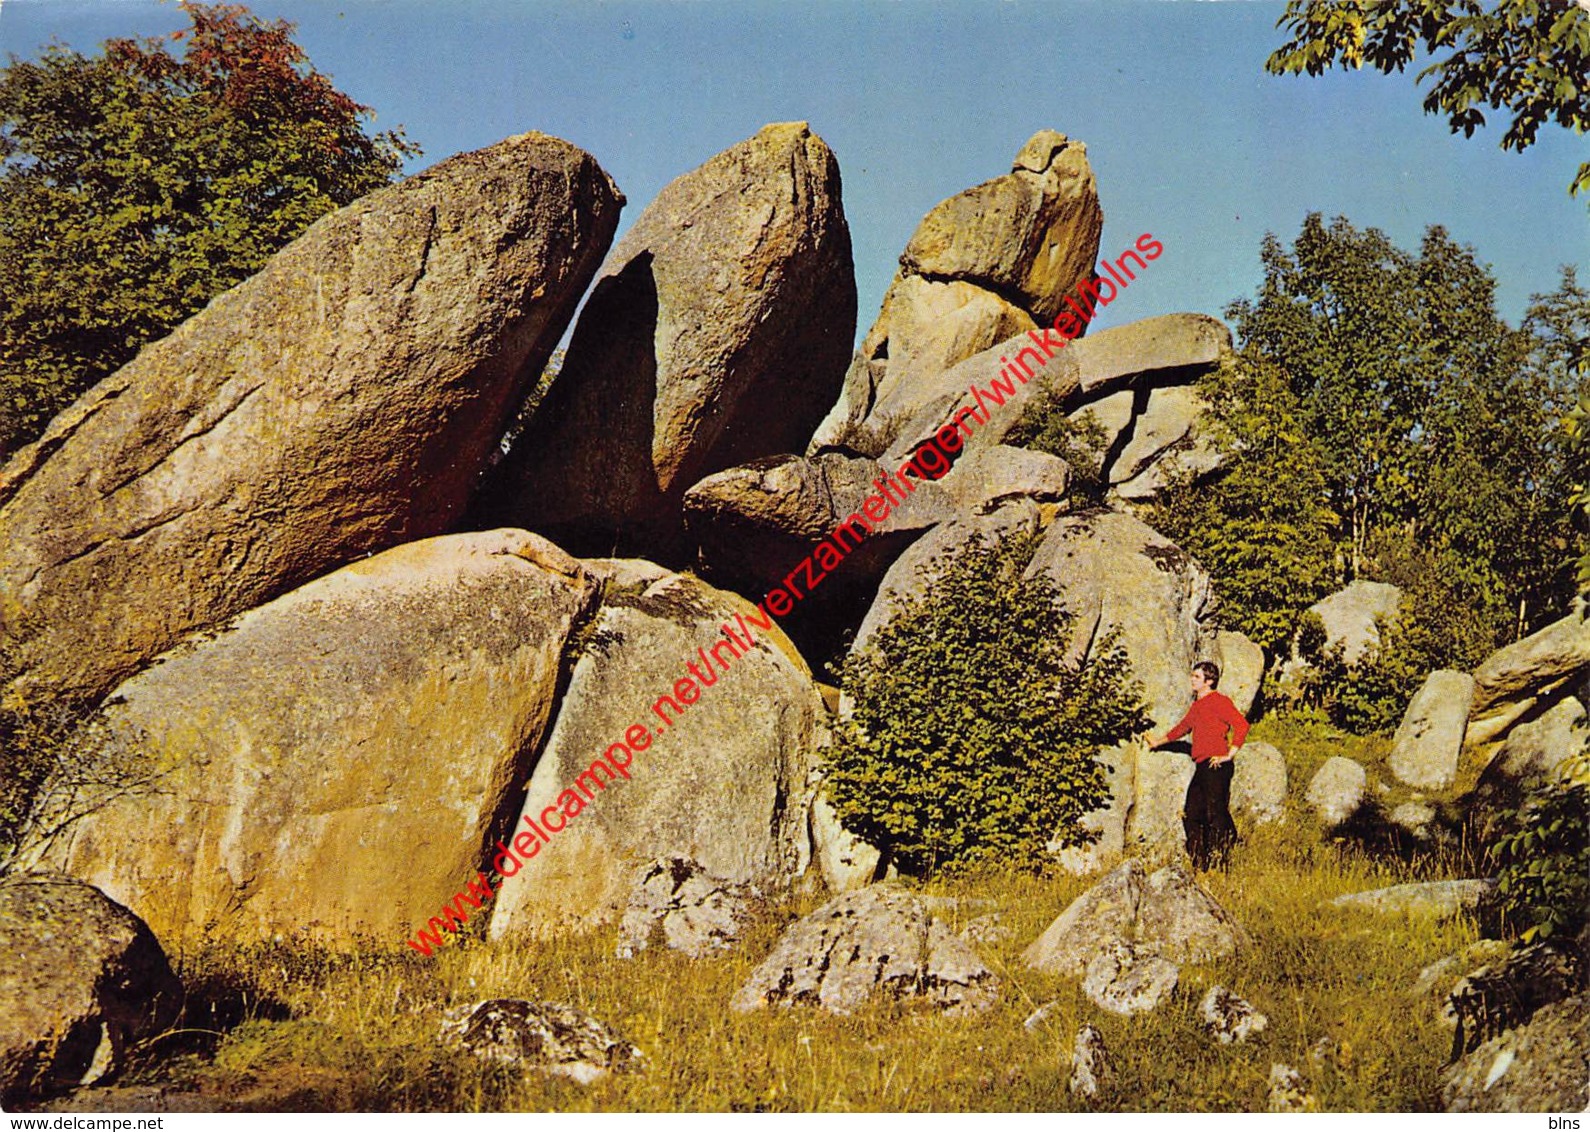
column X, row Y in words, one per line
column 972, row 737
column 1542, row 859
column 1079, row 440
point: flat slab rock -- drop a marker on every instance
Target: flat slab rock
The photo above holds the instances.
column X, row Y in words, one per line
column 881, row 940
column 1430, row 898
column 551, row 1037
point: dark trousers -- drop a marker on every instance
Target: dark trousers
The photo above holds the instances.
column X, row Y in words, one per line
column 1207, row 815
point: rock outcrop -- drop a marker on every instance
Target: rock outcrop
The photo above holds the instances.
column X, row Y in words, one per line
column 1540, row 1067
column 337, row 761
column 81, row 979
column 727, row 783
column 879, row 941
column 340, row 402
column 717, row 334
column 1116, row 573
column 1424, row 753
column 985, row 265
column 1125, row 981
column 546, row 1037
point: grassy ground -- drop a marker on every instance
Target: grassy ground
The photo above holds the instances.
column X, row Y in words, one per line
column 337, row 1032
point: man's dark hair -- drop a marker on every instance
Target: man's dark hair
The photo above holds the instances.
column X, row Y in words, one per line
column 1210, row 670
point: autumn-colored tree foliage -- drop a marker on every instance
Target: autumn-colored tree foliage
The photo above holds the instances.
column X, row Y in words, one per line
column 137, row 184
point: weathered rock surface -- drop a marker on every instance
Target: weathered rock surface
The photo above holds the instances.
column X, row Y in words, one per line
column 1429, row 898
column 1415, row 818
column 1540, row 1067
column 726, row 784
column 1090, row 1063
column 549, row 1037
column 1424, row 752
column 1124, row 980
column 1513, row 680
column 1165, row 440
column 1288, row 1093
column 846, row 861
column 717, row 334
column 1114, row 572
column 1337, row 790
column 81, row 978
column 698, row 913
column 1241, row 664
column 1507, row 991
column 265, row 778
column 1167, row 913
column 341, row 401
column 1227, row 1018
column 1530, row 757
column 1349, row 617
column 1159, row 795
column 881, row 940
column 981, row 267
column 1109, row 822
column 1258, row 782
column 1440, row 976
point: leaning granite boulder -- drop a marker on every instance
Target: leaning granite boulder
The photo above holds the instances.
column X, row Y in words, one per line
column 1530, row 758
column 1528, row 674
column 1543, row 1066
column 880, row 941
column 984, row 265
column 1424, row 752
column 1438, row 898
column 335, row 762
column 81, row 979
column 343, row 400
column 697, row 913
column 1337, row 790
column 547, row 1037
column 1116, row 573
column 689, row 729
column 1125, row 980
column 718, row 333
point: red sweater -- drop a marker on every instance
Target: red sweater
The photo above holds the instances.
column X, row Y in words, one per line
column 1208, row 719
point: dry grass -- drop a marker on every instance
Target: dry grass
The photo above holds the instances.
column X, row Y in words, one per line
column 359, row 1031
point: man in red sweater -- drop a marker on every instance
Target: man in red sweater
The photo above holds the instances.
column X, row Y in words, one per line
column 1206, row 817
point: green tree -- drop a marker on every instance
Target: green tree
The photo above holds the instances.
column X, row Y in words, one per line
column 972, row 736
column 1558, row 325
column 136, row 185
column 1263, row 527
column 1528, row 56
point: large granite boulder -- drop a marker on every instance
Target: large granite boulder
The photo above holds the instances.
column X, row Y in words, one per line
column 1165, row 913
column 1115, row 573
column 1159, row 794
column 717, row 334
column 688, row 730
column 1241, row 663
column 697, row 913
column 985, row 265
column 1108, row 823
column 880, row 941
column 336, row 762
column 1528, row 674
column 1337, row 790
column 1167, row 349
column 1530, row 758
column 1258, row 782
column 81, row 979
column 1165, row 440
column 341, row 401
column 1424, row 752
column 1349, row 616
column 1543, row 1066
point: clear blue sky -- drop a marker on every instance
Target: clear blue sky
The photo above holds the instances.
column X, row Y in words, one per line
column 1188, row 136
